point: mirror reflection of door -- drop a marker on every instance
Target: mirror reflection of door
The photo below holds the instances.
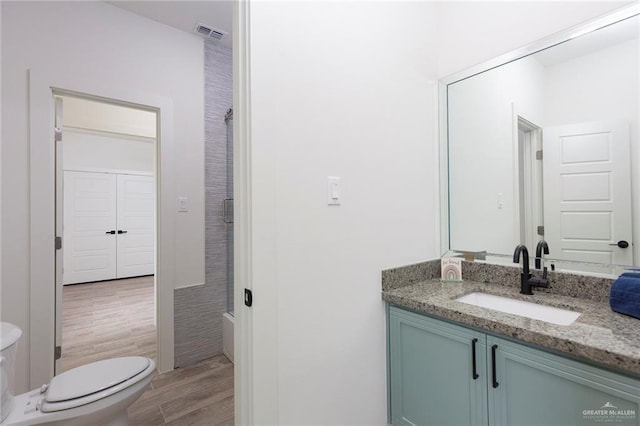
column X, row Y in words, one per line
column 493, row 116
column 587, row 196
column 530, row 182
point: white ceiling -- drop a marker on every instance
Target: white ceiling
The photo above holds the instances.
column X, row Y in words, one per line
column 183, row 15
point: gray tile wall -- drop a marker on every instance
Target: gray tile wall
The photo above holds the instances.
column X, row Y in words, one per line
column 198, row 310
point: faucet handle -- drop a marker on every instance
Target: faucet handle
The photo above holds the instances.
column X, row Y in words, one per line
column 541, row 248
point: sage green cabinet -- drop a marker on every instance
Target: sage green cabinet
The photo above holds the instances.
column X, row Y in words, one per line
column 431, row 371
column 432, row 381
column 536, row 387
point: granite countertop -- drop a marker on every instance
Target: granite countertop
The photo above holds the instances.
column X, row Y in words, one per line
column 599, row 335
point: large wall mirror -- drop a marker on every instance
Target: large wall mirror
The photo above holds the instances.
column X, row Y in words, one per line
column 543, row 143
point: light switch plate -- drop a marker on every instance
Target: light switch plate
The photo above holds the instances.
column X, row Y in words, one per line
column 333, row 191
column 183, row 204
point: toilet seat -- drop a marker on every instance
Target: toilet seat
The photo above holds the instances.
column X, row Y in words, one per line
column 91, row 382
column 98, row 393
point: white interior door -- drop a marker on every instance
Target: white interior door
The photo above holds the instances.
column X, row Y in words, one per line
column 136, row 225
column 587, row 193
column 89, row 227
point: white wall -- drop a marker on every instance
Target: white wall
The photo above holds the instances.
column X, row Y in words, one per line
column 104, row 137
column 1, row 257
column 351, row 95
column 87, row 114
column 93, row 40
column 611, row 77
column 95, row 151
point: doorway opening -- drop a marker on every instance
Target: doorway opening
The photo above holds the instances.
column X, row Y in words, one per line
column 106, row 217
column 530, row 182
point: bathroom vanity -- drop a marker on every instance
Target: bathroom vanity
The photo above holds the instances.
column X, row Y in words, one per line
column 535, row 145
column 452, row 363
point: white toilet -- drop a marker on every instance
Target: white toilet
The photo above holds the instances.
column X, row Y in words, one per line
column 94, row 394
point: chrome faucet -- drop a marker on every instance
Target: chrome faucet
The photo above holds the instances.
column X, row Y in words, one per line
column 526, row 280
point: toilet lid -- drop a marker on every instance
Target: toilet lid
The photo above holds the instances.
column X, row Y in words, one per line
column 94, row 377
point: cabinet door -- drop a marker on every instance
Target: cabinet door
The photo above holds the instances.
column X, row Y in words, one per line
column 431, row 372
column 537, row 388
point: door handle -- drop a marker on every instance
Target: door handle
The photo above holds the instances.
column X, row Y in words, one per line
column 621, row 244
column 475, row 374
column 112, row 232
column 494, row 375
column 120, row 231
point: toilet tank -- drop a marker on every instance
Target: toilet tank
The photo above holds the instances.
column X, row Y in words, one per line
column 9, row 336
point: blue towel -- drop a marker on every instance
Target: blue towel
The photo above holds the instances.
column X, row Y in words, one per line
column 625, row 294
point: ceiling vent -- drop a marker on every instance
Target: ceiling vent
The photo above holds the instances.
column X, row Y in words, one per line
column 208, row 31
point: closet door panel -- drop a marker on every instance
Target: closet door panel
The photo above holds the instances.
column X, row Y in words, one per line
column 136, row 225
column 89, row 249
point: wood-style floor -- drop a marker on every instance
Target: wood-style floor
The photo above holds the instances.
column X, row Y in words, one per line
column 201, row 395
column 116, row 318
column 107, row 319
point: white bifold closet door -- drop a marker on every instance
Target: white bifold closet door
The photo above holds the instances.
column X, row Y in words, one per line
column 109, row 224
column 136, row 226
column 89, row 227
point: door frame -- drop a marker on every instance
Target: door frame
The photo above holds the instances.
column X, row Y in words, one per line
column 529, row 179
column 42, row 86
column 255, row 249
column 242, row 276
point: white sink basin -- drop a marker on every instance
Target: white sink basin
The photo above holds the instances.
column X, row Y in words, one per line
column 520, row 307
